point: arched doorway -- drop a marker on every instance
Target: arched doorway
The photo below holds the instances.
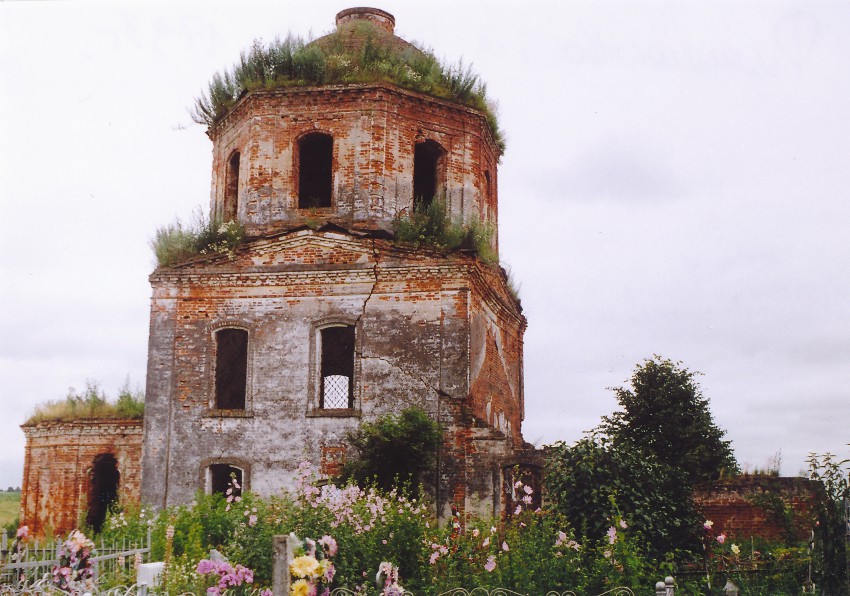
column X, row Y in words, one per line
column 103, row 482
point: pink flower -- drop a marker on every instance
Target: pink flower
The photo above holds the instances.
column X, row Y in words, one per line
column 612, row 534
column 475, row 532
column 528, row 490
column 505, row 546
column 23, row 532
column 707, row 525
column 490, row 565
column 623, row 524
column 434, row 556
column 527, row 499
column 486, row 542
column 721, row 538
column 518, row 510
column 330, row 545
column 252, row 520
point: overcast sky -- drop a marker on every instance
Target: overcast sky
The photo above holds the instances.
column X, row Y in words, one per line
column 676, row 183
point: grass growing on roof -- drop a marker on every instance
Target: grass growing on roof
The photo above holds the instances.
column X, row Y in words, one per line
column 291, row 62
column 92, row 403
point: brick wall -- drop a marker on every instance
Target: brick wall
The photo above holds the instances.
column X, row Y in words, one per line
column 732, row 505
column 374, row 130
column 57, row 468
column 421, row 318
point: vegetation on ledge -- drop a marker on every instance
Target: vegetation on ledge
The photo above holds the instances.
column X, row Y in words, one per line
column 92, row 403
column 432, row 226
column 177, row 242
column 292, row 63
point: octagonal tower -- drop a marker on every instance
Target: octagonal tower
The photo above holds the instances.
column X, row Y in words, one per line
column 355, row 154
column 270, row 355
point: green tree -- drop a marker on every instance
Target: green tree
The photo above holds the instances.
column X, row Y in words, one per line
column 665, row 414
column 395, row 449
column 594, row 481
column 830, row 530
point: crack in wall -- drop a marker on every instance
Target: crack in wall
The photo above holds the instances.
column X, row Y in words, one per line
column 377, row 255
column 437, row 390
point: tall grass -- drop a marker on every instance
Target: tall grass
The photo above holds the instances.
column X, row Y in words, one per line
column 92, row 403
column 433, row 227
column 330, row 61
column 177, row 242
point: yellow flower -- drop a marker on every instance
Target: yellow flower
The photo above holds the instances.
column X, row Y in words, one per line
column 300, row 587
column 736, row 549
column 304, row 566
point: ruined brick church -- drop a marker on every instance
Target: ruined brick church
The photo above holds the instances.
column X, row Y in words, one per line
column 321, row 319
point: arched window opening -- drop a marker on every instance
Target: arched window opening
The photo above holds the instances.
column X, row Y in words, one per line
column 231, row 368
column 103, row 482
column 231, row 189
column 315, row 159
column 427, row 166
column 337, row 368
column 221, row 477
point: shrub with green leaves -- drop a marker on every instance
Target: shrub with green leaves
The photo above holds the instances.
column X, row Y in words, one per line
column 177, row 242
column 395, row 450
column 432, row 226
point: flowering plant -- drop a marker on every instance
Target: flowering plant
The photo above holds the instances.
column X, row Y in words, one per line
column 229, row 575
column 74, row 572
column 391, row 585
column 312, row 568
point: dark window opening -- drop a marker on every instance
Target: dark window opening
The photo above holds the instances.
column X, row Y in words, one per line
column 104, row 481
column 337, row 376
column 487, row 189
column 315, row 158
column 231, row 368
column 231, row 189
column 426, row 164
column 224, row 477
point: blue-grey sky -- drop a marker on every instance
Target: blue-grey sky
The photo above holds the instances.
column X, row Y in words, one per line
column 676, row 182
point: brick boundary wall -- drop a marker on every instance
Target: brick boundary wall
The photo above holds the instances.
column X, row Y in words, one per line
column 739, row 506
column 58, row 462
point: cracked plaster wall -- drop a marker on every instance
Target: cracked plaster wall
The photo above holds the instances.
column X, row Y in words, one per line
column 412, row 313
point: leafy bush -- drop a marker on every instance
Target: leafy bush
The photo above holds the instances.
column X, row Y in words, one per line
column 92, row 403
column 591, row 481
column 331, row 60
column 177, row 242
column 433, row 227
column 831, row 548
column 395, row 450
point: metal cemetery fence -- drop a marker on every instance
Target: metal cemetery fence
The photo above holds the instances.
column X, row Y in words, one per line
column 37, row 559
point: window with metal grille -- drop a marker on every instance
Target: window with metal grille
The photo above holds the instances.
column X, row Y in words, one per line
column 315, row 164
column 231, row 368
column 336, row 389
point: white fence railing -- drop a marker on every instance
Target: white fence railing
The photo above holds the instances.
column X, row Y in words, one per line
column 29, row 565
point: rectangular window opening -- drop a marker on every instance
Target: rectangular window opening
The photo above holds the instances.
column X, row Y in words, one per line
column 315, row 165
column 231, row 368
column 222, row 477
column 337, row 368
